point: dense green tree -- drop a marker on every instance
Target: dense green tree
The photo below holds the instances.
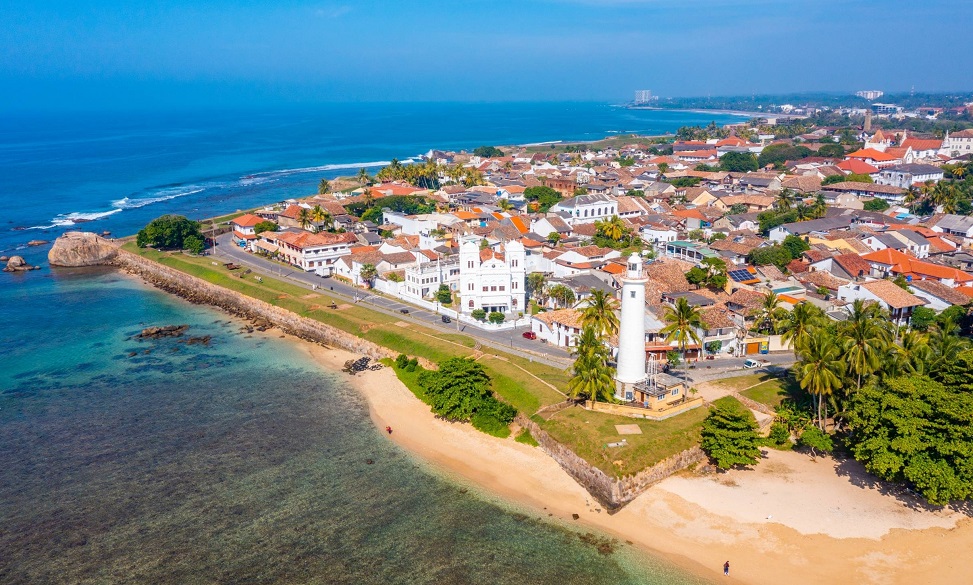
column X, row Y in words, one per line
column 816, row 440
column 685, row 181
column 867, row 337
column 738, row 162
column 859, row 178
column 832, row 179
column 265, row 226
column 832, row 150
column 444, row 295
column 536, row 283
column 715, row 272
column 922, row 318
column 800, row 323
column 544, row 196
column 738, row 208
column 478, row 314
column 562, row 295
column 876, row 205
column 730, row 436
column 777, row 255
column 777, row 154
column 170, row 232
column 696, row 276
column 795, row 245
column 487, row 151
column 770, row 316
column 917, row 430
column 613, row 229
column 460, row 389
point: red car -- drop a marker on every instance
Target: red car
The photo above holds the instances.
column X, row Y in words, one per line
column 530, row 335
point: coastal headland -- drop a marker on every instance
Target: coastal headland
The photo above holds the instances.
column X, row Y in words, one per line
column 789, row 519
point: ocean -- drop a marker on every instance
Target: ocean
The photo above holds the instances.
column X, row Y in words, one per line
column 234, row 461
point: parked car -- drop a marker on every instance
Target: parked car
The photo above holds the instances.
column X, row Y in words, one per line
column 530, row 335
column 404, row 311
column 446, row 319
column 751, row 363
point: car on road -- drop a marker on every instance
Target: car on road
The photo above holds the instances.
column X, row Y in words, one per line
column 530, row 335
column 750, row 364
column 404, row 311
column 446, row 319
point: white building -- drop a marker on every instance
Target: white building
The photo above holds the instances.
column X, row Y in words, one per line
column 312, row 252
column 588, row 208
column 492, row 280
column 957, row 143
column 906, row 175
column 631, row 331
column 423, row 279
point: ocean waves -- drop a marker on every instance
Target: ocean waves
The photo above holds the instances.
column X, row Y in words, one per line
column 160, row 195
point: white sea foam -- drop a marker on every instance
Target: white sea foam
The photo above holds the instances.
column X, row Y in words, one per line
column 159, row 196
column 69, row 219
column 336, row 167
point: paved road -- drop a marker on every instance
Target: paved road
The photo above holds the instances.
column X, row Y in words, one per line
column 510, row 340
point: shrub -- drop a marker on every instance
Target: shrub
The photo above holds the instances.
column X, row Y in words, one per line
column 496, row 318
column 401, row 361
column 779, row 433
column 815, row 439
column 478, row 314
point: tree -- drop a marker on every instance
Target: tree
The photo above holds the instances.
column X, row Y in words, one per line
column 562, row 295
column 169, row 232
column 876, row 205
column 593, row 377
column 770, row 315
column 478, row 314
column 832, row 150
column 578, row 191
column 777, row 154
column 683, row 321
column 663, row 167
column 916, row 430
column 544, row 196
column 496, row 317
column 265, row 226
column 363, row 177
column 859, row 178
column 832, row 179
column 444, row 295
column 777, row 255
column 738, row 162
column 600, row 314
column 738, row 208
column 819, row 370
column 795, row 245
column 324, row 186
column 367, row 273
column 800, row 323
column 614, row 229
column 922, row 318
column 194, row 244
column 460, row 391
column 304, row 218
column 487, row 151
column 866, row 338
column 536, row 281
column 816, row 440
column 320, row 216
column 785, row 200
column 715, row 273
column 696, row 276
column 554, row 238
column 730, row 436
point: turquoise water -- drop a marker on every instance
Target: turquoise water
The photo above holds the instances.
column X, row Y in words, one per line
column 129, row 461
column 126, row 461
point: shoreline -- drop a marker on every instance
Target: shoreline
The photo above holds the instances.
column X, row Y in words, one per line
column 690, row 521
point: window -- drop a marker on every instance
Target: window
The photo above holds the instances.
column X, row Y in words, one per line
column 470, row 264
column 486, row 288
column 502, row 288
column 513, row 286
column 632, row 293
column 675, row 392
column 471, row 286
column 493, row 289
column 471, row 303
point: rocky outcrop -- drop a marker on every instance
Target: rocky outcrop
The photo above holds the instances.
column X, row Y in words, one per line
column 82, row 249
column 18, row 264
column 37, row 242
column 160, row 332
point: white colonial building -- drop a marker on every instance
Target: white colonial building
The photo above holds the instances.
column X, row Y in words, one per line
column 906, row 175
column 588, row 208
column 957, row 143
column 492, row 280
column 316, row 253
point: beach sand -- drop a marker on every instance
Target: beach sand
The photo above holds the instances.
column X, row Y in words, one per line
column 788, row 520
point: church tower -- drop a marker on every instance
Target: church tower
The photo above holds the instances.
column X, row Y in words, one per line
column 631, row 330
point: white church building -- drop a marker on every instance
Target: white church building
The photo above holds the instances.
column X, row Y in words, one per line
column 494, row 280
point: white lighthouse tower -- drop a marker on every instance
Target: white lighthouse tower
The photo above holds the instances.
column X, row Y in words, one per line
column 631, row 331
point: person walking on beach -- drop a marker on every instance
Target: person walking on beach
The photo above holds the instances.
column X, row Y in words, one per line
column 726, row 568
column 388, row 430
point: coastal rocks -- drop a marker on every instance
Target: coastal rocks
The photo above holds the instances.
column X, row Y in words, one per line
column 81, row 249
column 38, row 242
column 360, row 365
column 162, row 332
column 18, row 264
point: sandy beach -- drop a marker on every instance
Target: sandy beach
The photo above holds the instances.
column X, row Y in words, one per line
column 788, row 520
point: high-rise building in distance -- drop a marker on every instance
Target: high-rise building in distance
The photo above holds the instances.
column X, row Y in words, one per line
column 870, row 94
column 643, row 96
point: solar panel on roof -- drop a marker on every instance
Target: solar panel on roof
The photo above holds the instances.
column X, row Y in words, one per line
column 741, row 275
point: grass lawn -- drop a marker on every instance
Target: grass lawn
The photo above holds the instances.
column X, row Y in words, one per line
column 771, row 393
column 738, row 383
column 587, row 433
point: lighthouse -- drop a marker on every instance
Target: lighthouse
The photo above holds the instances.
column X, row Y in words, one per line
column 631, row 331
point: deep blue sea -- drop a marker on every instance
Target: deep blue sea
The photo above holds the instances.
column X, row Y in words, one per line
column 126, row 461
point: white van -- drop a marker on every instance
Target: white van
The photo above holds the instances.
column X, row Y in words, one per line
column 749, row 364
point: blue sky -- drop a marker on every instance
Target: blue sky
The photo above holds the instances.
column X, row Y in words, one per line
column 74, row 54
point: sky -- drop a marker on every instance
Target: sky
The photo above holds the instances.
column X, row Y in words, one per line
column 76, row 54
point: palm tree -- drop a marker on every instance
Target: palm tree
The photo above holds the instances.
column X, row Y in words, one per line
column 944, row 344
column 600, row 314
column 820, row 370
column 614, row 229
column 324, row 186
column 910, row 356
column 563, row 295
column 367, row 273
column 959, row 172
column 593, row 376
column 504, row 204
column 683, row 322
column 800, row 323
column 785, row 200
column 318, row 214
column 820, row 206
column 304, row 218
column 362, row 177
column 663, row 167
column 770, row 314
column 536, row 281
column 866, row 338
column 368, row 198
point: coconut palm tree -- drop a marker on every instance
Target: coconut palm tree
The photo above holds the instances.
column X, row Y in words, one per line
column 561, row 294
column 944, row 344
column 867, row 337
column 683, row 322
column 600, row 314
column 363, row 177
column 800, row 323
column 324, row 186
column 593, row 376
column 304, row 218
column 770, row 315
column 319, row 215
column 820, row 370
column 614, row 229
column 367, row 273
column 368, row 198
column 785, row 200
column 504, row 204
column 536, row 282
column 910, row 356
